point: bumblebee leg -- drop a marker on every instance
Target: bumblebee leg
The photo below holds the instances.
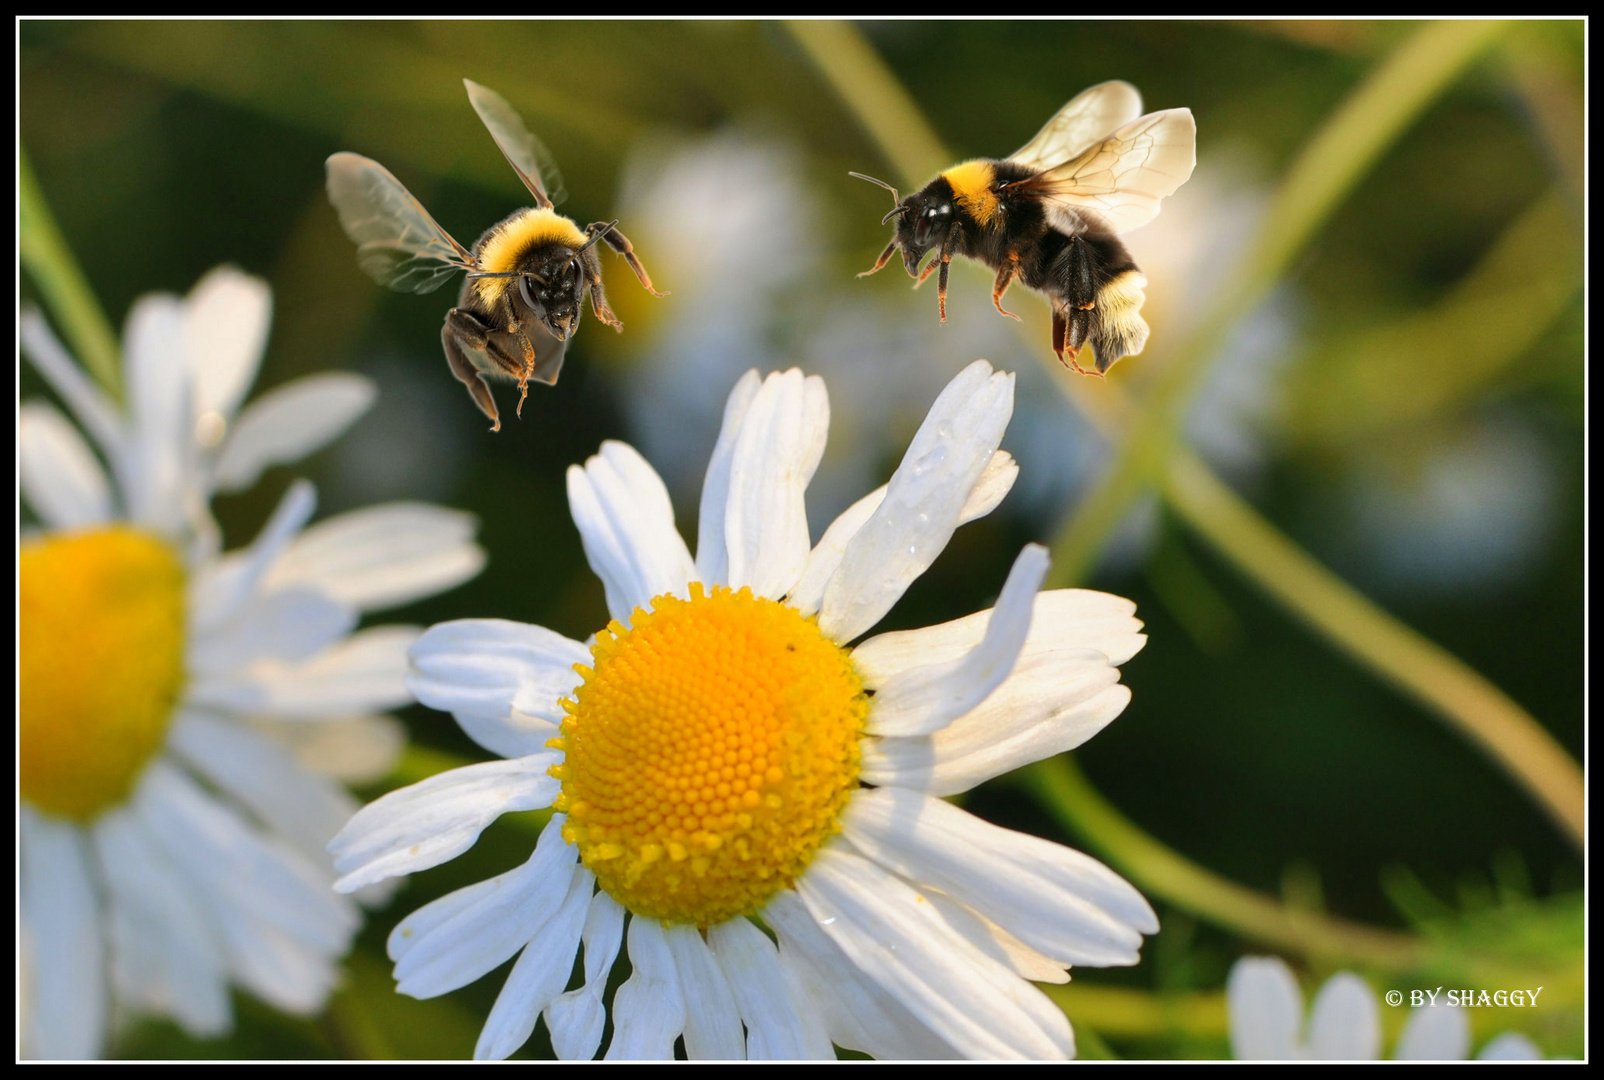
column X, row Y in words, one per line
column 598, row 297
column 620, row 243
column 1005, row 278
column 885, row 257
column 468, row 375
column 1080, row 328
column 946, row 264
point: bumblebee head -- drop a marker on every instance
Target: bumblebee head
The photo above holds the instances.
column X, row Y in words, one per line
column 922, row 222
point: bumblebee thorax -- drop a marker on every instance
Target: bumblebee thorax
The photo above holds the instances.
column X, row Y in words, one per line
column 516, row 245
column 973, row 185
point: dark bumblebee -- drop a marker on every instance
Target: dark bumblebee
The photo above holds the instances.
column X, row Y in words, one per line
column 1050, row 216
column 527, row 275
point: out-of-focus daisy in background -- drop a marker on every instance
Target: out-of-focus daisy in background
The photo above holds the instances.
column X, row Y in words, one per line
column 705, row 757
column 1344, row 1024
column 188, row 716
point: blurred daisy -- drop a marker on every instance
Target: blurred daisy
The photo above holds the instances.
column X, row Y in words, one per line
column 187, row 717
column 1266, row 1009
column 707, row 757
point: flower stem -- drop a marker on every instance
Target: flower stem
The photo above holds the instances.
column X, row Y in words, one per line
column 1336, row 159
column 49, row 262
column 1063, row 789
column 1400, row 656
column 1126, row 1013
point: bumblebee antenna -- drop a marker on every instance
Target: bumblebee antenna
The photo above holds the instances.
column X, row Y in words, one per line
column 895, row 198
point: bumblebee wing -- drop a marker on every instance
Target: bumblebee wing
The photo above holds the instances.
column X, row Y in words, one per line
column 526, row 154
column 397, row 242
column 1087, row 119
column 1123, row 178
column 549, row 350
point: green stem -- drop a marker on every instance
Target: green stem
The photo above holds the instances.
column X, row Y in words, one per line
column 1063, row 790
column 49, row 262
column 355, row 1030
column 1398, row 655
column 1339, row 156
column 1124, row 1013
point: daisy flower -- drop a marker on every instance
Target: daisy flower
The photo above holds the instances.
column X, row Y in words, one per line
column 187, row 716
column 761, row 799
column 1266, row 1009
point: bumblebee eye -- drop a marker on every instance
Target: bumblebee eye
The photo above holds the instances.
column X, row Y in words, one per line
column 523, row 291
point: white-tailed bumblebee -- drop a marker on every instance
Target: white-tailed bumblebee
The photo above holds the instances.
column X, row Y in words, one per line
column 1049, row 215
column 527, row 275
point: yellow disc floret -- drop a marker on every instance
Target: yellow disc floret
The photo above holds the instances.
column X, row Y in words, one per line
column 709, row 753
column 102, row 616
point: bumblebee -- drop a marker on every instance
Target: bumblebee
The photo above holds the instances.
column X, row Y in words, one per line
column 527, row 275
column 1050, row 215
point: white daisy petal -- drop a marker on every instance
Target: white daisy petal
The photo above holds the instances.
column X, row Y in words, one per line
column 712, row 1021
column 355, row 750
column 577, row 1018
column 626, row 525
column 222, row 585
column 427, row 823
column 1344, row 1021
column 280, row 925
column 1052, row 702
column 68, row 380
column 290, row 624
column 165, row 955
column 992, row 940
column 539, row 975
column 1510, row 1046
column 776, row 1029
column 858, row 1014
column 1060, row 619
column 220, row 853
column 303, row 807
column 808, row 593
column 67, row 1000
column 712, row 557
column 1266, row 1010
column 484, row 925
column 648, row 1011
column 923, row 503
column 825, row 558
column 367, row 671
column 59, row 475
column 226, row 318
column 1064, row 904
column 381, row 556
column 161, row 448
column 992, row 487
column 918, row 701
column 1435, row 1033
column 501, row 680
column 900, row 943
column 289, row 422
column 779, row 447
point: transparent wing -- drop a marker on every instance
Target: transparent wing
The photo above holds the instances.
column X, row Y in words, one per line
column 1123, row 178
column 397, row 242
column 1090, row 116
column 526, row 154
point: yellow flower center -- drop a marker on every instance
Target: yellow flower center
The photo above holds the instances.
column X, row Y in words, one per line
column 708, row 754
column 102, row 664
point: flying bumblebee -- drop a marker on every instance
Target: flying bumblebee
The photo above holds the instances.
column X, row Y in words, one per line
column 527, row 275
column 1049, row 215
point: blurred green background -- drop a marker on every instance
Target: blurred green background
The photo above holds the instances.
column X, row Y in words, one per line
column 1406, row 404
